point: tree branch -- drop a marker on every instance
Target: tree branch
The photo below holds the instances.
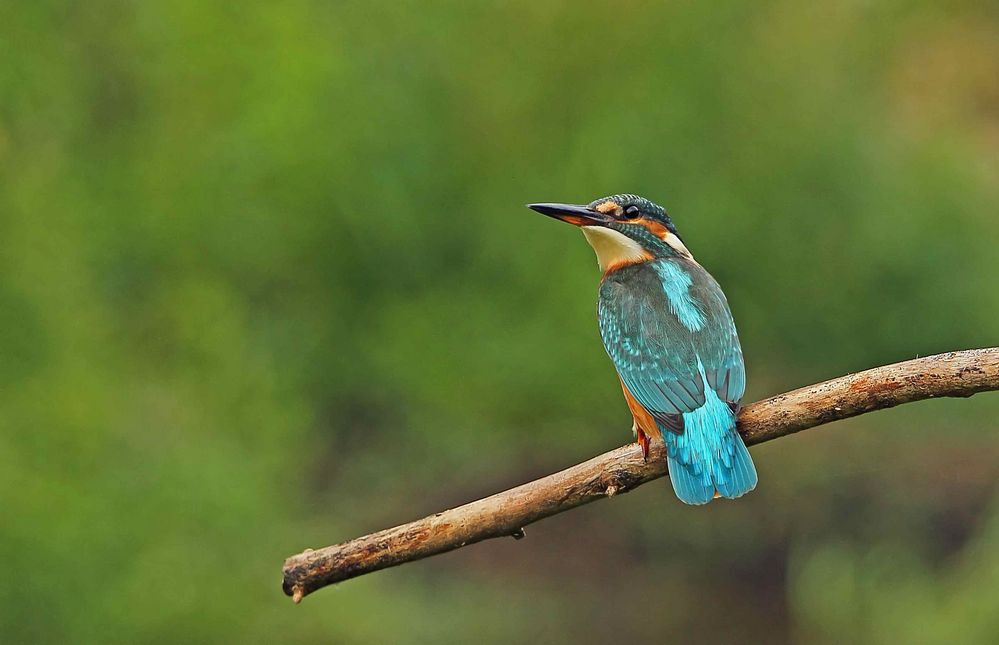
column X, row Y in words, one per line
column 959, row 374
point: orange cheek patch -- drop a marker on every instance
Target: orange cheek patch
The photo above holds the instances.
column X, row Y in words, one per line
column 654, row 227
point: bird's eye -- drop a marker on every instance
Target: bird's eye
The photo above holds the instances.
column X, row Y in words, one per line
column 632, row 211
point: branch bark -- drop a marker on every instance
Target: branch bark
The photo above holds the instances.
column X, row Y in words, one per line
column 955, row 374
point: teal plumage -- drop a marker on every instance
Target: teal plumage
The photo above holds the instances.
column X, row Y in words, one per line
column 667, row 327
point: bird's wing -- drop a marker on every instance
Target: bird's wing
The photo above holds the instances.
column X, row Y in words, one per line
column 662, row 323
column 718, row 345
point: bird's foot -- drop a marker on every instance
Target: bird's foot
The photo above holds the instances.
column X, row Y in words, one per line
column 643, row 441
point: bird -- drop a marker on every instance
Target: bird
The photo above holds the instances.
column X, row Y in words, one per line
column 669, row 332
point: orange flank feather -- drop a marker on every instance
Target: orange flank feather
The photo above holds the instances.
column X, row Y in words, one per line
column 645, row 425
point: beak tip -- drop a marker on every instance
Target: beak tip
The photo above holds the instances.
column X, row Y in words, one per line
column 571, row 213
column 547, row 209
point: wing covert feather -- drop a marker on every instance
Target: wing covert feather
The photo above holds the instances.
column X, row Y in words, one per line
column 658, row 356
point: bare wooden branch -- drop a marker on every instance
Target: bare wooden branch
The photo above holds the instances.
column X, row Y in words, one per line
column 955, row 374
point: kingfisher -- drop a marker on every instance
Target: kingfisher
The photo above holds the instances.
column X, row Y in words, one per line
column 668, row 329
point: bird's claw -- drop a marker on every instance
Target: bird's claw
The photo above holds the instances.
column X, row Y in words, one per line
column 643, row 441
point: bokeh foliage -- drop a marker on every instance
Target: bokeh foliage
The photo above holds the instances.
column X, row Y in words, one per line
column 266, row 282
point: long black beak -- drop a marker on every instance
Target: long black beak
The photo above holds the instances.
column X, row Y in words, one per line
column 571, row 213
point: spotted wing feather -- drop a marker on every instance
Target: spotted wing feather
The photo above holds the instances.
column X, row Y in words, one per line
column 657, row 340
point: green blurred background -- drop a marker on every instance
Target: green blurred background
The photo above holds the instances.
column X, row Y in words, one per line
column 267, row 282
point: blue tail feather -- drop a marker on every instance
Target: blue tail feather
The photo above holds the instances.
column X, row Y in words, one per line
column 710, row 455
column 689, row 487
column 739, row 478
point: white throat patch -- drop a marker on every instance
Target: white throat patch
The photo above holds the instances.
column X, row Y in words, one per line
column 613, row 248
column 678, row 245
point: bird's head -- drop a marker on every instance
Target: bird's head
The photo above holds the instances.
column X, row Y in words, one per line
column 622, row 229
